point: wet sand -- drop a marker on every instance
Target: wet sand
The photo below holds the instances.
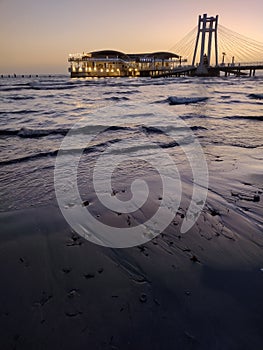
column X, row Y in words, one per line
column 200, row 290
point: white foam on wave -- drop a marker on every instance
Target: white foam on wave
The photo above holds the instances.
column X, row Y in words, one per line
column 173, row 100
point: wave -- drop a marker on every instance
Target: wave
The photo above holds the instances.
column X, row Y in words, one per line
column 151, row 130
column 259, row 145
column 126, row 92
column 182, row 141
column 246, row 117
column 161, row 130
column 28, row 158
column 37, row 133
column 97, row 147
column 238, row 144
column 117, row 127
column 194, row 116
column 103, row 145
column 44, row 86
column 8, row 132
column 197, row 127
column 170, row 144
column 161, row 101
column 117, row 98
column 173, row 100
column 15, row 87
column 21, row 111
column 243, row 102
column 33, row 133
column 54, row 153
column 18, row 98
column 256, row 96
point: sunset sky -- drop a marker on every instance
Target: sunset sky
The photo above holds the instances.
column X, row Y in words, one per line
column 37, row 36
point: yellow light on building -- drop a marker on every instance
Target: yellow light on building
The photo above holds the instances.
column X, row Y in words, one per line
column 90, row 69
column 107, row 70
column 112, row 70
column 101, row 70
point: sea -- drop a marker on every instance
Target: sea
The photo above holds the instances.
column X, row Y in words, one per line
column 224, row 115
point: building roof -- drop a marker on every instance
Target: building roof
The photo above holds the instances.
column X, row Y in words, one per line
column 163, row 55
column 109, row 54
column 114, row 54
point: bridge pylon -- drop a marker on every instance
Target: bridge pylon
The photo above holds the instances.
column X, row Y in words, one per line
column 207, row 28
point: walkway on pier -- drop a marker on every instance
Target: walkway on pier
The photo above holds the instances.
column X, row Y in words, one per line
column 242, row 68
column 238, row 70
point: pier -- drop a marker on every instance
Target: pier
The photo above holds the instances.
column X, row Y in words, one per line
column 238, row 70
column 241, row 56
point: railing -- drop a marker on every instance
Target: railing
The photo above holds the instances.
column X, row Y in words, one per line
column 250, row 63
column 81, row 58
column 237, row 64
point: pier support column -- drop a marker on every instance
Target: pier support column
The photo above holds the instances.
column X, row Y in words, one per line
column 206, row 26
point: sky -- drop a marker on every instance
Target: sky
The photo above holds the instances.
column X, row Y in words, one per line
column 36, row 36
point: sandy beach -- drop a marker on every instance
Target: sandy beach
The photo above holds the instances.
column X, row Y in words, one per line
column 201, row 290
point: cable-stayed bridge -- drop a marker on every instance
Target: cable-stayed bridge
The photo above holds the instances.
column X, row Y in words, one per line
column 211, row 48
